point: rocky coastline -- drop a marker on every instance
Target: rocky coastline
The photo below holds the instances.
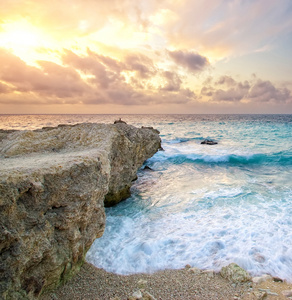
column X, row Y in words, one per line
column 54, row 184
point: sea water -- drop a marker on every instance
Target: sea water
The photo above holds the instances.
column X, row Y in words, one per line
column 203, row 205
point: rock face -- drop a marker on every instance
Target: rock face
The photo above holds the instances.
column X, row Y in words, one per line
column 53, row 186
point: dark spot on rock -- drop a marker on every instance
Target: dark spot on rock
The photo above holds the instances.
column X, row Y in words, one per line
column 119, row 121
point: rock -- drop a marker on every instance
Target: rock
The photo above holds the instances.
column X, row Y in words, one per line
column 148, row 127
column 194, row 271
column 261, row 279
column 137, row 295
column 142, row 283
column 148, row 296
column 52, row 201
column 209, row 273
column 287, row 293
column 146, row 168
column 258, row 295
column 134, row 147
column 208, row 142
column 268, row 291
column 235, row 273
column 120, row 121
column 277, row 279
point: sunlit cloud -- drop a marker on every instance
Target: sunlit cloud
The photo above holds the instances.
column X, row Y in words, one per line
column 227, row 89
column 193, row 62
column 142, row 53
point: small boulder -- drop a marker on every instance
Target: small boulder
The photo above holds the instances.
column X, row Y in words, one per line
column 119, row 121
column 261, row 279
column 277, row 279
column 235, row 273
column 208, row 142
column 209, row 273
column 137, row 295
column 258, row 295
column 195, row 271
column 146, row 168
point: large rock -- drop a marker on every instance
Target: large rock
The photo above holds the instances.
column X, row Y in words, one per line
column 53, row 184
column 235, row 273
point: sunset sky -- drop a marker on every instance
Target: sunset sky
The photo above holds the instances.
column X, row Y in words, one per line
column 146, row 56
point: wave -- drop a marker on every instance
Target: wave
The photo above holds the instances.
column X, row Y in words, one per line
column 233, row 159
column 183, row 140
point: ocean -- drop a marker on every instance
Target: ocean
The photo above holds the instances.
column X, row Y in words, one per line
column 202, row 205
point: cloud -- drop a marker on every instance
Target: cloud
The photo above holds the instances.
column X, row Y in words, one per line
column 142, row 65
column 4, row 88
column 265, row 91
column 225, row 80
column 172, row 81
column 191, row 61
column 226, row 89
column 222, row 28
column 48, row 80
column 91, row 78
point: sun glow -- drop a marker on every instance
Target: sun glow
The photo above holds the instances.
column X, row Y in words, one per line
column 23, row 39
column 20, row 33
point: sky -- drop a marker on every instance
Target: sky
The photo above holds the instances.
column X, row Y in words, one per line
column 146, row 56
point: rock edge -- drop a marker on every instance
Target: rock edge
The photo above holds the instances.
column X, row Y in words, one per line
column 54, row 183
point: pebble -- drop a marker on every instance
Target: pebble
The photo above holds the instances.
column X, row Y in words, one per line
column 260, row 295
column 194, row 270
column 268, row 291
column 148, row 296
column 142, row 284
column 261, row 279
column 137, row 295
column 209, row 273
column 287, row 293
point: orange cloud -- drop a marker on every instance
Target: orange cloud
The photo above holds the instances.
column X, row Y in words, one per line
column 226, row 89
column 89, row 79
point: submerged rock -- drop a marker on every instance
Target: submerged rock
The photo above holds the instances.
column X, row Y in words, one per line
column 208, row 142
column 53, row 185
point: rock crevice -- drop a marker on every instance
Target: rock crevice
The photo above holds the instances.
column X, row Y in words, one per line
column 54, row 183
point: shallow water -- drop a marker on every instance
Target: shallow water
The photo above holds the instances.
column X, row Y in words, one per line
column 201, row 205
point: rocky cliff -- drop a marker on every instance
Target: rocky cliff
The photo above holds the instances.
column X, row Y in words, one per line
column 54, row 183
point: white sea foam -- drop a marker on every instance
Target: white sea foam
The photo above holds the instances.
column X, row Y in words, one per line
column 206, row 206
column 206, row 239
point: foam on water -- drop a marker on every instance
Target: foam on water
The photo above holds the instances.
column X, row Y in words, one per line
column 204, row 234
column 207, row 206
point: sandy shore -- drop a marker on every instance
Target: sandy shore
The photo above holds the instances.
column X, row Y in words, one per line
column 96, row 284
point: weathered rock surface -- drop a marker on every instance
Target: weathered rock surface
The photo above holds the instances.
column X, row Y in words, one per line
column 53, row 184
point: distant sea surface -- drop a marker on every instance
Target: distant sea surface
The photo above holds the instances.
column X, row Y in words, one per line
column 203, row 205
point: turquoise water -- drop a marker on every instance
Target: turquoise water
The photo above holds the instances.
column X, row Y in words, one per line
column 203, row 205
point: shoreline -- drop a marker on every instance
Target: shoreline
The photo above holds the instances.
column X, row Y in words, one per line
column 92, row 283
